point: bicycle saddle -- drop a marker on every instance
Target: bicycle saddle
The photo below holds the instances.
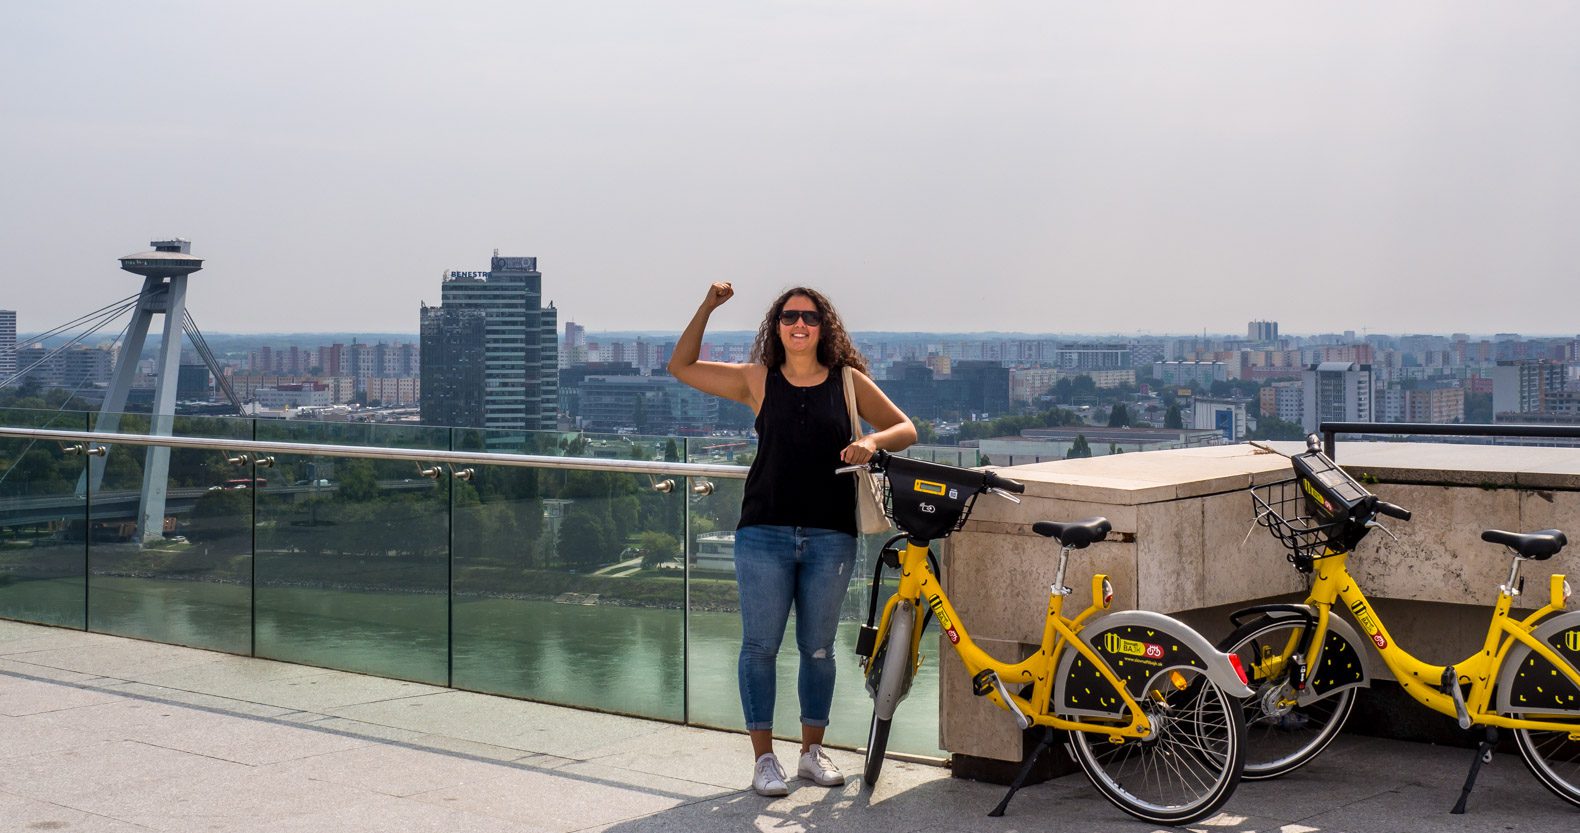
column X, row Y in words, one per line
column 1539, row 545
column 1075, row 534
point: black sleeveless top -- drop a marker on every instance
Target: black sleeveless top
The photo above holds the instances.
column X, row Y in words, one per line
column 800, row 432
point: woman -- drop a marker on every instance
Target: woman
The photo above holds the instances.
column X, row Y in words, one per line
column 796, row 542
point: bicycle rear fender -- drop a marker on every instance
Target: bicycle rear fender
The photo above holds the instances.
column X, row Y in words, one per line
column 1137, row 645
column 1530, row 684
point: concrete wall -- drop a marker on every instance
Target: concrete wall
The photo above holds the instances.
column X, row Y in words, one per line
column 1179, row 545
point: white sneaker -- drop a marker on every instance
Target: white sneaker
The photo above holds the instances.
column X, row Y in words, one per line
column 768, row 778
column 815, row 765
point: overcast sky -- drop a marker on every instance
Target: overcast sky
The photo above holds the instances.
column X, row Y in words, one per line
column 1043, row 166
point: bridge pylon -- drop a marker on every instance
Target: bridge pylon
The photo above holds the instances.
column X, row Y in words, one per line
column 165, row 270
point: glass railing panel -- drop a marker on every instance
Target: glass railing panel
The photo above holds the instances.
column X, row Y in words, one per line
column 43, row 523
column 170, row 559
column 713, row 611
column 568, row 583
column 352, row 559
column 715, row 630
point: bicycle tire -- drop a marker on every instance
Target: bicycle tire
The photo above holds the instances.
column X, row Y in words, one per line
column 1280, row 739
column 1554, row 759
column 877, row 742
column 1187, row 769
column 894, row 666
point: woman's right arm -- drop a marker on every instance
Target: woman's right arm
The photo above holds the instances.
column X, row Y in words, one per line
column 718, row 378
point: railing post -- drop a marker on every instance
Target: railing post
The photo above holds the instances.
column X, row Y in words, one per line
column 1328, row 438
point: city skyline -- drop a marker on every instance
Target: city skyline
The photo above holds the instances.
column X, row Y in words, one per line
column 1063, row 167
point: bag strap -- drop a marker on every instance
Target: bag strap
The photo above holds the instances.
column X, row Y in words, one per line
column 850, row 402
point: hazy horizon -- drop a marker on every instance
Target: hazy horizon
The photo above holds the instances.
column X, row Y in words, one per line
column 1040, row 168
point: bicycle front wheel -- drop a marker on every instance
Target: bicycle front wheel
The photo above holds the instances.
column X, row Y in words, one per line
column 1554, row 759
column 1280, row 735
column 1190, row 765
column 892, row 670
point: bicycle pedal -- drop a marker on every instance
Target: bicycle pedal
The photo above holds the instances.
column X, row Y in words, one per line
column 982, row 683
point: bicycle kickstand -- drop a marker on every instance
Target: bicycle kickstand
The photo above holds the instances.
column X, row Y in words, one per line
column 1483, row 756
column 1025, row 771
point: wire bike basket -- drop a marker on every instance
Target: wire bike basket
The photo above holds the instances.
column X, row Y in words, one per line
column 1281, row 507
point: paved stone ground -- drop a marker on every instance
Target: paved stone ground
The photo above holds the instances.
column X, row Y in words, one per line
column 99, row 733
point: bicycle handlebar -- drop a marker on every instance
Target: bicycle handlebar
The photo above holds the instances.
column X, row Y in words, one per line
column 995, row 481
column 1392, row 511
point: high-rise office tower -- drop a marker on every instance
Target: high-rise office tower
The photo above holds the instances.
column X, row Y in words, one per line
column 1261, row 332
column 7, row 344
column 453, row 344
column 520, row 344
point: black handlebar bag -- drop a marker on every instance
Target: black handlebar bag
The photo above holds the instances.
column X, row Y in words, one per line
column 928, row 501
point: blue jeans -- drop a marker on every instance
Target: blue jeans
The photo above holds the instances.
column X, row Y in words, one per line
column 775, row 566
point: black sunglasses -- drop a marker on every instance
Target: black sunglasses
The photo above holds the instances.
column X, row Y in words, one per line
column 811, row 317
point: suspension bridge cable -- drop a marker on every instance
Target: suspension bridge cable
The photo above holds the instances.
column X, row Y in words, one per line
column 62, row 408
column 81, row 318
column 69, row 344
column 199, row 343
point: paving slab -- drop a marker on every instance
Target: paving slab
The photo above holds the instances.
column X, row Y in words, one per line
column 561, row 802
column 24, row 737
column 240, row 738
column 21, row 695
column 185, row 697
column 25, row 814
column 395, row 771
column 314, row 690
column 532, row 727
column 382, row 815
column 122, row 658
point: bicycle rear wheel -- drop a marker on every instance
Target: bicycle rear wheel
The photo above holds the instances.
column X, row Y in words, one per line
column 1191, row 764
column 1554, row 759
column 893, row 662
column 1281, row 736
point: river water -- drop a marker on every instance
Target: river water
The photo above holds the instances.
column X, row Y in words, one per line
column 630, row 660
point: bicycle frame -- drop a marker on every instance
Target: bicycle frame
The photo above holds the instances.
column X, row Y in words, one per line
column 919, row 585
column 1422, row 680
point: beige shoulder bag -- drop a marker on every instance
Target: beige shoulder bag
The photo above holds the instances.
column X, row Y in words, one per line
column 869, row 492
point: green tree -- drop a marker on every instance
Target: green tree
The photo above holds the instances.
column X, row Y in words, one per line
column 1119, row 417
column 357, row 481
column 657, row 548
column 671, row 451
column 1273, row 428
column 1079, row 449
column 1063, row 390
column 1173, row 418
column 585, row 539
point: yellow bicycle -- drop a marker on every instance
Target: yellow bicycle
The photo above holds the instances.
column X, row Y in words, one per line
column 1306, row 664
column 1151, row 708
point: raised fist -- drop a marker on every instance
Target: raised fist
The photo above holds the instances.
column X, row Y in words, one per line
column 718, row 293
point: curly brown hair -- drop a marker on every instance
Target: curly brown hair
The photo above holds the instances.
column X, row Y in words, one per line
column 834, row 349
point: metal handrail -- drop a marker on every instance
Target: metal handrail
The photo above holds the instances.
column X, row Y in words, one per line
column 485, row 458
column 1331, row 430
